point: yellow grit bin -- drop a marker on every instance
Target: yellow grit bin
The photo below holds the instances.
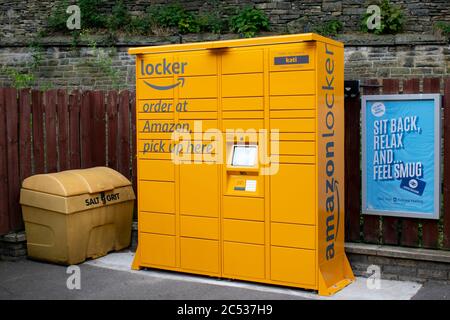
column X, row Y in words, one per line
column 241, row 160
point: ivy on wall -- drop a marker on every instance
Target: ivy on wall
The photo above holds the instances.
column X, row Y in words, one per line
column 27, row 75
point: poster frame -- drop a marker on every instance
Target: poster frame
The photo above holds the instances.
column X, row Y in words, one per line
column 436, row 97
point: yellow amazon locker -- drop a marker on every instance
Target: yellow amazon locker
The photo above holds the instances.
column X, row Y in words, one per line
column 241, row 160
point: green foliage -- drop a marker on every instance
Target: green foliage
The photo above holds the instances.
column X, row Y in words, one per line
column 75, row 41
column 25, row 77
column 177, row 18
column 213, row 17
column 173, row 16
column 188, row 24
column 46, row 85
column 119, row 18
column 37, row 54
column 444, row 27
column 19, row 79
column 91, row 17
column 212, row 22
column 42, row 33
column 248, row 21
column 139, row 26
column 58, row 17
column 329, row 28
column 103, row 61
column 166, row 16
column 159, row 19
column 392, row 19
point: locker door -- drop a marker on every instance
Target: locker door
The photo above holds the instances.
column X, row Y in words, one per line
column 199, row 189
column 293, row 194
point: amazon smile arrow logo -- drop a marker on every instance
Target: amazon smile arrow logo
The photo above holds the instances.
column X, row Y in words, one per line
column 336, row 189
column 164, row 68
column 171, row 86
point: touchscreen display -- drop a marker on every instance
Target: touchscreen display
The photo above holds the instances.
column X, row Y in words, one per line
column 244, row 156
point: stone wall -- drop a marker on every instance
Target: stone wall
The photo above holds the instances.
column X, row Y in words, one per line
column 397, row 263
column 13, row 246
column 417, row 61
column 365, row 58
column 416, row 54
column 71, row 69
column 24, row 18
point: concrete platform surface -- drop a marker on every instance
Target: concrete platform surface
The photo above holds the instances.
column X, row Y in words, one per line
column 110, row 277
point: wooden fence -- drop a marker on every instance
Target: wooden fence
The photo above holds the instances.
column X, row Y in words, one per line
column 56, row 130
column 392, row 230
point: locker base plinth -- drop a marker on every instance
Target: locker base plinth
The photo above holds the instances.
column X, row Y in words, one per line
column 136, row 265
column 327, row 288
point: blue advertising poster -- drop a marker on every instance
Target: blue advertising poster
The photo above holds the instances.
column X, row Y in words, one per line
column 401, row 155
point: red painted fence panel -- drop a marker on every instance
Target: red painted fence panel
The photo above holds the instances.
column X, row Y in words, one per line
column 63, row 130
column 446, row 191
column 430, row 228
column 111, row 110
column 38, row 132
column 124, row 134
column 50, row 130
column 410, row 227
column 371, row 227
column 98, row 129
column 12, row 134
column 352, row 175
column 25, row 148
column 133, row 147
column 86, row 136
column 57, row 130
column 74, row 130
column 4, row 186
column 394, row 230
column 390, row 224
column 386, row 229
